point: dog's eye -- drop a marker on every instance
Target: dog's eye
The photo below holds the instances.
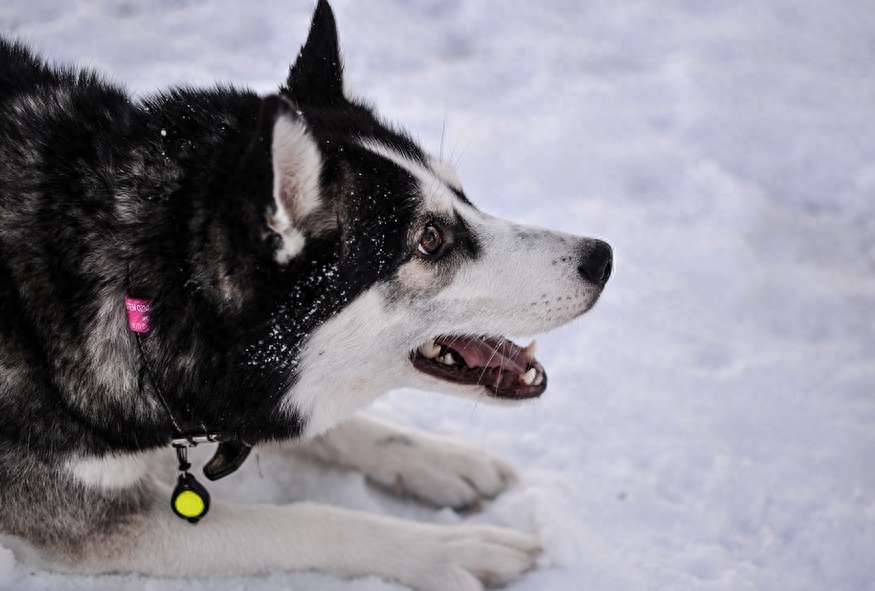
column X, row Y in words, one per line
column 431, row 241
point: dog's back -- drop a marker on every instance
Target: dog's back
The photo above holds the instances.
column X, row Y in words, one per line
column 50, row 208
column 21, row 73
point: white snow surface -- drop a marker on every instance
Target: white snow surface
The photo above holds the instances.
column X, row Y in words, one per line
column 711, row 424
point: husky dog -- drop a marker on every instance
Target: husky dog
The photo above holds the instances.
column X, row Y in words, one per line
column 212, row 265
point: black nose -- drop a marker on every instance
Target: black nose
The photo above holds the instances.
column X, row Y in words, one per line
column 596, row 261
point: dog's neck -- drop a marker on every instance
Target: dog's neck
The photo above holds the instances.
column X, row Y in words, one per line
column 231, row 452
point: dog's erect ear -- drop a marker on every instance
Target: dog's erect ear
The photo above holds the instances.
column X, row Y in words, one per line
column 317, row 75
column 297, row 164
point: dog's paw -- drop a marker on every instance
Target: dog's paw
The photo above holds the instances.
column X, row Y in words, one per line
column 440, row 470
column 470, row 558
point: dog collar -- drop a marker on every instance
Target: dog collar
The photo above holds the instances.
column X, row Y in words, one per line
column 190, row 499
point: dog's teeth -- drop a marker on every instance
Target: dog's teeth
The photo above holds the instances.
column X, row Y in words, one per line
column 530, row 350
column 430, row 350
column 448, row 359
column 528, row 378
column 538, row 380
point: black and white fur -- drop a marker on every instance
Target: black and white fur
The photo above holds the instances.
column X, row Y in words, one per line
column 279, row 239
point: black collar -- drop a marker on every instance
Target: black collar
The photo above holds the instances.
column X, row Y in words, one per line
column 231, row 452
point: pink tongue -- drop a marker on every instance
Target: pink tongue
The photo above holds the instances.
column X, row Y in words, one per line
column 488, row 352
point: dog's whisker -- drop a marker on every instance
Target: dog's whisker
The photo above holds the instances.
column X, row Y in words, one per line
column 444, row 128
column 461, row 154
column 488, row 361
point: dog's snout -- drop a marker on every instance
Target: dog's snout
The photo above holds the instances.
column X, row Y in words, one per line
column 596, row 261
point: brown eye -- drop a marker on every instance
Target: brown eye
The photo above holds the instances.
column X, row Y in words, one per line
column 431, row 241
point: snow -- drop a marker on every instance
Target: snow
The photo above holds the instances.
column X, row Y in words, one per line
column 711, row 424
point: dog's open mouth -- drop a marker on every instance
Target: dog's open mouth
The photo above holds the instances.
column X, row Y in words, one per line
column 501, row 366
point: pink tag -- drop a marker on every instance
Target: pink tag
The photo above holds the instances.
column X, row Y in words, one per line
column 138, row 314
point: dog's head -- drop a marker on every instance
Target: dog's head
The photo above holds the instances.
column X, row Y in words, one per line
column 411, row 284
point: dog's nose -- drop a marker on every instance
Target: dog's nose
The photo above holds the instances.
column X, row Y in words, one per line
column 596, row 261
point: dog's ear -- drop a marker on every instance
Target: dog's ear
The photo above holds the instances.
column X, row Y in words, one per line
column 317, row 75
column 297, row 165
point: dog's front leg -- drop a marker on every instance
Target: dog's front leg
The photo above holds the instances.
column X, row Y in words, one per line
column 440, row 470
column 235, row 540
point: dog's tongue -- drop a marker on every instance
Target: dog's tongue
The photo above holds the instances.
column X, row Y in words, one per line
column 489, row 352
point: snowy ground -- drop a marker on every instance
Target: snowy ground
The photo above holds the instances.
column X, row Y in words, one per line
column 711, row 425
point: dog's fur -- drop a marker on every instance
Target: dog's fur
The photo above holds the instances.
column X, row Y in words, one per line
column 287, row 245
